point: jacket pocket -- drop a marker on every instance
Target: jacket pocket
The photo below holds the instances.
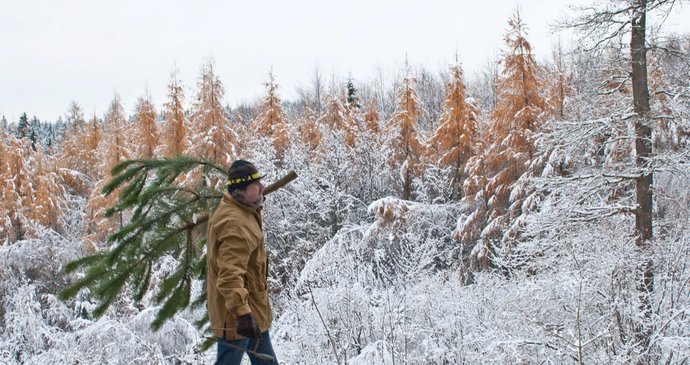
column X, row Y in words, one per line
column 261, row 309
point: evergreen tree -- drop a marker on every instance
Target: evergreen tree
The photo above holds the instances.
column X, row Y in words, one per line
column 166, row 222
column 453, row 141
column 50, row 137
column 33, row 132
column 352, row 98
column 33, row 138
column 23, row 126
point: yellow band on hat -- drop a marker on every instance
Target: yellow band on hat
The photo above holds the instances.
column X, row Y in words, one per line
column 254, row 176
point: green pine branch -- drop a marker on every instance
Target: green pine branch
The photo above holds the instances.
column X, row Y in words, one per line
column 165, row 219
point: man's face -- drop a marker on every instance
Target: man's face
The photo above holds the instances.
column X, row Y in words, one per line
column 253, row 195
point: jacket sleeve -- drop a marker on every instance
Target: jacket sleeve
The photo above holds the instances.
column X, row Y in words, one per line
column 232, row 259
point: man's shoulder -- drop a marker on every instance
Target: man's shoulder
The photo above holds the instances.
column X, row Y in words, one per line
column 225, row 211
column 228, row 213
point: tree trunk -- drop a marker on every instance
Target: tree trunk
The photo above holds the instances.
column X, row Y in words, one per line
column 643, row 184
column 643, row 131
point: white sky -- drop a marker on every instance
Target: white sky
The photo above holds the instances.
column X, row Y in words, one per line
column 56, row 51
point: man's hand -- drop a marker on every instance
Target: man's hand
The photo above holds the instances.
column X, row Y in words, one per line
column 245, row 326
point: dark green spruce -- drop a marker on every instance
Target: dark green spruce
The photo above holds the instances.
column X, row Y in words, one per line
column 164, row 218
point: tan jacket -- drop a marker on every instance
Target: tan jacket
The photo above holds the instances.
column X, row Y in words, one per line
column 236, row 268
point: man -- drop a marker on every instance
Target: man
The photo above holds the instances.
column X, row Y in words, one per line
column 237, row 271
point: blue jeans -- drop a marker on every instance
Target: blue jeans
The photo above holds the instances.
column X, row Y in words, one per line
column 230, row 351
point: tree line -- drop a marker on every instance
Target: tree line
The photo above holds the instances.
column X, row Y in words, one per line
column 585, row 130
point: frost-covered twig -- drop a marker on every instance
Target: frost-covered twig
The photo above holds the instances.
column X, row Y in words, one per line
column 328, row 332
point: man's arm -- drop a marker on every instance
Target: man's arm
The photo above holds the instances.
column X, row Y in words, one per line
column 232, row 259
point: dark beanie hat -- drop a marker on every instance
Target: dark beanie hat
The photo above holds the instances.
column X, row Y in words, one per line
column 240, row 174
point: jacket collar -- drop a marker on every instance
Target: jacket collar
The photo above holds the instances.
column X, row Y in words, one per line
column 229, row 199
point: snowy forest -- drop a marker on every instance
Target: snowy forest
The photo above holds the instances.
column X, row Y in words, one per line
column 536, row 211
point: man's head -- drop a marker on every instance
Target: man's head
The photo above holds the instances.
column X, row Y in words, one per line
column 244, row 183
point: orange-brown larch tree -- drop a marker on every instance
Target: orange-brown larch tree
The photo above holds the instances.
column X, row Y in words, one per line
column 308, row 129
column 404, row 142
column 211, row 135
column 338, row 115
column 271, row 122
column 14, row 180
column 114, row 149
column 175, row 129
column 455, row 138
column 47, row 199
column 334, row 116
column 72, row 149
column 91, row 143
column 74, row 128
column 80, row 158
column 354, row 117
column 17, row 188
column 146, row 127
column 31, row 190
column 372, row 117
column 509, row 145
column 117, row 147
column 4, row 211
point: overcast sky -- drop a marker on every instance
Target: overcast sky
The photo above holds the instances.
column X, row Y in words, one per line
column 56, row 51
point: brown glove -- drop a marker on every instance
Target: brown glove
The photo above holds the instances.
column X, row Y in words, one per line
column 246, row 327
